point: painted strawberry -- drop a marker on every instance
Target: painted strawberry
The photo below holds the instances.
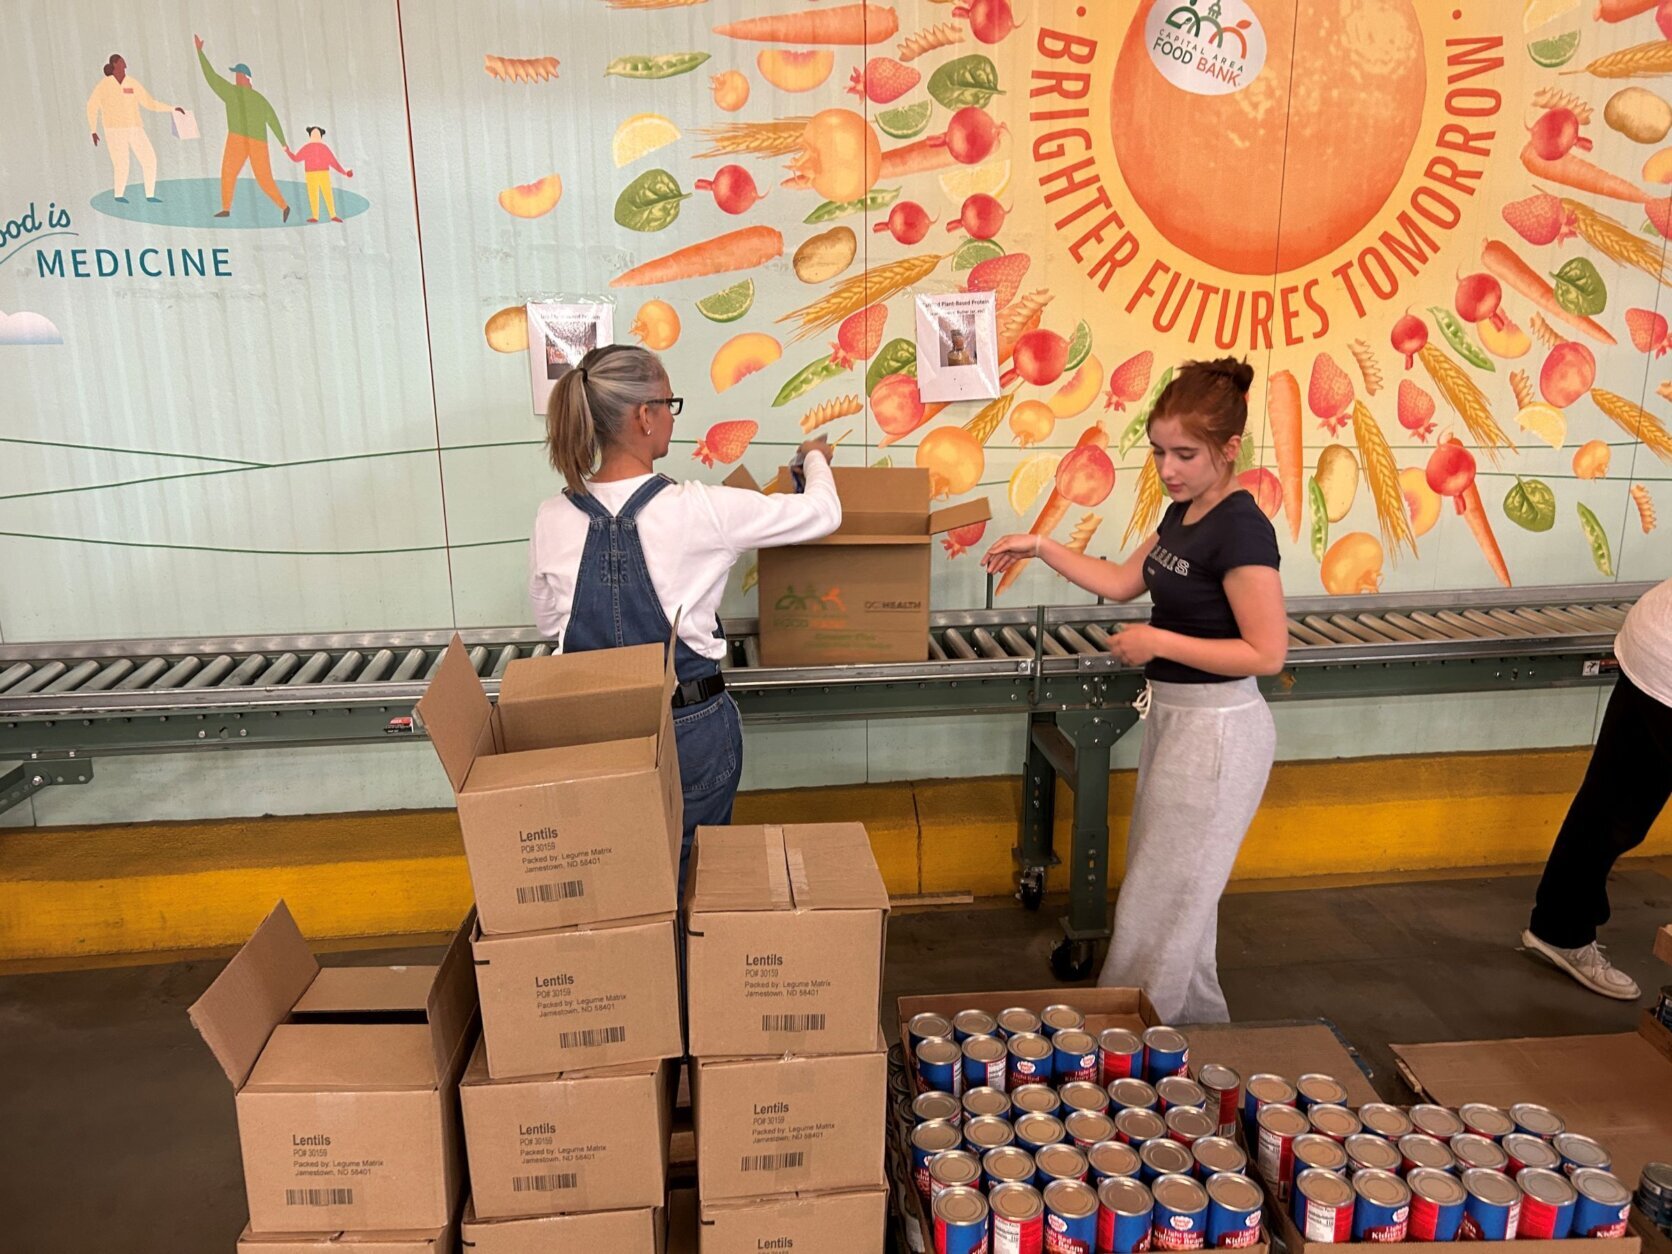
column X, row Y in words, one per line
column 1660, row 214
column 1539, row 219
column 962, row 539
column 1648, row 331
column 1330, row 393
column 1129, row 381
column 1000, row 275
column 726, row 441
column 883, row 80
column 859, row 335
column 1416, row 410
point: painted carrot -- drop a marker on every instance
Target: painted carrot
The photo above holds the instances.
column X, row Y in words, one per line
column 1283, row 413
column 1576, row 172
column 1473, row 510
column 1056, row 507
column 1503, row 262
column 737, row 250
column 846, row 24
column 1620, row 10
column 926, row 154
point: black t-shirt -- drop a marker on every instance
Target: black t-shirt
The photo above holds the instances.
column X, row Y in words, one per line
column 1185, row 575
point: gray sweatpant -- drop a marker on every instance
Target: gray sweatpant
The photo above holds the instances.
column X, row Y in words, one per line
column 1202, row 769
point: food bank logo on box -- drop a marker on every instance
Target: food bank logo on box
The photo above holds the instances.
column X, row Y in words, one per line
column 1206, row 47
column 812, row 601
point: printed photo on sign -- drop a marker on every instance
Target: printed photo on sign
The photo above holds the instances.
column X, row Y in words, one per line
column 957, row 347
column 559, row 335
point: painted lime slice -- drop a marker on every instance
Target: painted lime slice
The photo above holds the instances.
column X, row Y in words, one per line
column 728, row 305
column 1555, row 51
column 906, row 121
column 972, row 252
column 1079, row 346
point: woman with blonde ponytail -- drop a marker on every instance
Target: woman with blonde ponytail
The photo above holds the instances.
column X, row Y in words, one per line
column 624, row 551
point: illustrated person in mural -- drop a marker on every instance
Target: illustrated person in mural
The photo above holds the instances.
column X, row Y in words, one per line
column 118, row 97
column 609, row 420
column 1626, row 786
column 318, row 161
column 1211, row 568
column 248, row 119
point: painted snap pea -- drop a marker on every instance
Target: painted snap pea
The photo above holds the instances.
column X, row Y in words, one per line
column 806, row 379
column 1458, row 338
column 663, row 65
column 1597, row 538
column 1320, row 519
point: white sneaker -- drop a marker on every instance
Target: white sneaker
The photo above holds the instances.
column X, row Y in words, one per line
column 1589, row 965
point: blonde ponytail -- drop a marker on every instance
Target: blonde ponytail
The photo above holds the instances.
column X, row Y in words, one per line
column 592, row 404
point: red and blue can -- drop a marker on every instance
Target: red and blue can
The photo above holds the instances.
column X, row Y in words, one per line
column 1336, row 1122
column 1034, row 1099
column 1058, row 1162
column 1381, row 1207
column 1233, row 1211
column 1418, row 1149
column 1264, row 1090
column 1318, row 1089
column 1436, row 1205
column 1008, row 1164
column 1367, row 1151
column 988, row 1132
column 1189, row 1124
column 1323, row 1207
column 940, row 1067
column 1580, row 1151
column 1087, row 1128
column 1070, row 1218
column 1017, row 1021
column 1035, row 1132
column 986, row 1063
column 1130, row 1093
column 1108, row 1159
column 1603, row 1206
column 927, row 1140
column 1179, row 1090
column 1384, row 1120
column 1074, row 1056
column 1274, row 1146
column 1166, row 1052
column 1525, row 1150
column 1030, row 1060
column 1124, row 1207
column 1485, row 1120
column 1218, row 1155
column 953, row 1169
column 932, row 1105
column 1018, row 1219
column 960, row 1222
column 968, row 1023
column 1060, row 1018
column 1084, row 1095
column 1492, row 1209
column 1222, row 1089
column 928, row 1027
column 1439, row 1122
column 979, row 1102
column 1180, row 1218
column 1548, row 1201
column 1119, row 1054
column 1536, row 1120
column 1137, row 1125
column 1312, row 1152
column 1473, row 1150
column 1163, row 1157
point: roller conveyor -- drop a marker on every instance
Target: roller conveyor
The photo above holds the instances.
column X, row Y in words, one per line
column 64, row 704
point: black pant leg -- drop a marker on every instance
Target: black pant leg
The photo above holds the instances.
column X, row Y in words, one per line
column 1626, row 786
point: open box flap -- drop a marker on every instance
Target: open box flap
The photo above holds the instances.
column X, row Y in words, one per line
column 742, row 480
column 254, row 994
column 455, row 711
column 740, row 868
column 341, row 991
column 962, row 514
column 451, row 1005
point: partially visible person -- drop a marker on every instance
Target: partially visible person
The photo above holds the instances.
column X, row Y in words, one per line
column 119, row 97
column 248, row 119
column 1211, row 569
column 624, row 552
column 1626, row 787
column 318, row 161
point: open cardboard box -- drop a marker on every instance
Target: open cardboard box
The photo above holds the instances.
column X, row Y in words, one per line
column 862, row 593
column 568, row 790
column 345, row 1082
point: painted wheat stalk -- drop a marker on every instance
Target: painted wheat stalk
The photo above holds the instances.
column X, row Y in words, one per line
column 989, row 416
column 830, row 411
column 1635, row 421
column 1084, row 530
column 1369, row 369
column 940, row 35
column 1381, row 472
column 1146, row 503
column 1467, row 399
column 760, row 139
column 1544, row 333
column 1607, row 236
column 1560, row 98
column 1638, row 61
column 872, row 287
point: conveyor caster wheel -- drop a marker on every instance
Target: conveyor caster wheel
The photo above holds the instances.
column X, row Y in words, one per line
column 1071, row 960
column 1030, row 891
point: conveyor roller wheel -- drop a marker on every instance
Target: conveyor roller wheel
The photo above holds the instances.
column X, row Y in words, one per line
column 1030, row 888
column 1071, row 960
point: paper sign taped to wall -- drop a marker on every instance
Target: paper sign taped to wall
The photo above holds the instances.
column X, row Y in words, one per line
column 957, row 347
column 185, row 124
column 559, row 335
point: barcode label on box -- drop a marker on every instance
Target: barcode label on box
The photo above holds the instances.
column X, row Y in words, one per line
column 558, row 890
column 319, row 1197
column 550, row 1183
column 792, row 1023
column 590, row 1038
column 775, row 1162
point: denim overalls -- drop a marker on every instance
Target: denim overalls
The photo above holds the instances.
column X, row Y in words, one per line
column 616, row 605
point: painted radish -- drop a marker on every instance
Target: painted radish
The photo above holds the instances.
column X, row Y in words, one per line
column 970, row 136
column 990, row 20
column 1040, row 359
column 962, row 539
column 1410, row 337
column 1478, row 296
column 982, row 216
column 883, row 80
column 1450, row 471
column 1556, row 133
column 908, row 222
column 733, row 187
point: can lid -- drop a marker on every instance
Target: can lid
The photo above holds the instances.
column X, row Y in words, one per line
column 989, row 1131
column 1544, row 1185
column 1492, row 1187
column 1074, row 1041
column 1061, row 1016
column 1440, row 1187
column 1089, row 1125
column 1539, row 1120
column 1530, row 1150
column 1437, row 1121
column 983, row 1048
column 1473, row 1150
column 1039, row 1098
column 1072, row 1199
column 1113, row 1158
column 1233, row 1191
column 1125, row 1196
column 1217, row 1076
column 1425, row 1151
column 955, row 1167
column 1187, row 1121
column 974, row 1022
column 983, row 1101
column 1334, row 1121
column 1180, row 1090
column 935, row 1105
column 1317, row 1150
column 1604, row 1187
column 1179, row 1193
column 928, row 1023
column 1381, row 1187
column 1040, row 1129
column 1274, row 1090
column 1658, row 1175
column 1324, row 1187
column 961, row 1206
column 1580, row 1149
column 1140, row 1124
column 1282, row 1120
column 1016, row 1200
column 1166, row 1040
column 1030, row 1045
column 1018, row 1019
column 1218, row 1153
column 935, row 1134
column 1325, row 1090
column 1385, row 1120
column 1118, row 1041
column 939, row 1050
column 1369, row 1150
column 1166, row 1157
column 1008, row 1162
column 1485, row 1119
column 1083, row 1094
column 1060, row 1160
column 1131, row 1091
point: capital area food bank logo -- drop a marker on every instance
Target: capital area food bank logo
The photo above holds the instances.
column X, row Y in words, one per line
column 1205, row 47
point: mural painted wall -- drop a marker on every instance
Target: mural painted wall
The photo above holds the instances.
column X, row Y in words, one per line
column 1438, row 231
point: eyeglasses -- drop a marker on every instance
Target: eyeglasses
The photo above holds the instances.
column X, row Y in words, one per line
column 674, row 404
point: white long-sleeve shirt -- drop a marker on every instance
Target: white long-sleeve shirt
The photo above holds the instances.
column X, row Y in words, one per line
column 1643, row 646
column 692, row 533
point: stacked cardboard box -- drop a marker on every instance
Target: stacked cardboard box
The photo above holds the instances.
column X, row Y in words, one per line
column 569, row 802
column 785, row 930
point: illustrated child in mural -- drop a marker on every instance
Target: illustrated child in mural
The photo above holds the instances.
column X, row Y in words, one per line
column 248, row 119
column 119, row 97
column 1218, row 620
column 318, row 161
column 1626, row 786
column 609, row 420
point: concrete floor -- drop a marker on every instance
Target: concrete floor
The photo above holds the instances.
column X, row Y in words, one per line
column 119, row 1132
